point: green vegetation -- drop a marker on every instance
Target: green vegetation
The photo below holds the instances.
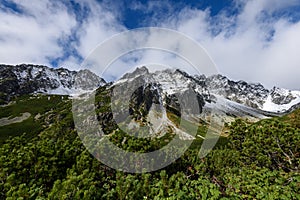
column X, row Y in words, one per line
column 29, row 126
column 33, row 104
column 292, row 118
column 256, row 161
column 47, row 107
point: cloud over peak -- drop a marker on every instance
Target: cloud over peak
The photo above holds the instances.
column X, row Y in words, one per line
column 255, row 40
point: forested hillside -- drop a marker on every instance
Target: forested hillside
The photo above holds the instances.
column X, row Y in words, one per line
column 256, row 161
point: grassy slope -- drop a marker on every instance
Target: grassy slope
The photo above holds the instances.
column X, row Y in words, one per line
column 34, row 104
column 292, row 118
column 41, row 104
column 56, row 163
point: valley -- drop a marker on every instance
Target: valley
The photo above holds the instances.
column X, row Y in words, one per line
column 257, row 154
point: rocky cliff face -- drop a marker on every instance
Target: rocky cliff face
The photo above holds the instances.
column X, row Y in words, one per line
column 253, row 95
column 172, row 89
column 26, row 79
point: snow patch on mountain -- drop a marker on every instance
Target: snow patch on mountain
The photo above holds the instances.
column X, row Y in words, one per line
column 253, row 95
column 27, row 78
column 281, row 100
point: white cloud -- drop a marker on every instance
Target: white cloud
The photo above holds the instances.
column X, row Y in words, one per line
column 99, row 26
column 40, row 33
column 252, row 45
column 33, row 37
column 245, row 47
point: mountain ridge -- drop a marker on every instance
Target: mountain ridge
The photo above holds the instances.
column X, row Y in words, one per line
column 254, row 95
column 28, row 78
column 23, row 79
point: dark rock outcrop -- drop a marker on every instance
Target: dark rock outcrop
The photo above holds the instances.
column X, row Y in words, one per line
column 26, row 78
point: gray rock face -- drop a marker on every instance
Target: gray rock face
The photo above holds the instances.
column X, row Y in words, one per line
column 281, row 97
column 138, row 72
column 173, row 89
column 253, row 95
column 26, row 79
column 249, row 94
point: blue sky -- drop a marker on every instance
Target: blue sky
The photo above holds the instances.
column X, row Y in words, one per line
column 253, row 40
column 133, row 18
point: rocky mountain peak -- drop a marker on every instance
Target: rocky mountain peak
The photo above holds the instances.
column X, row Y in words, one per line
column 281, row 96
column 137, row 72
column 253, row 95
column 28, row 78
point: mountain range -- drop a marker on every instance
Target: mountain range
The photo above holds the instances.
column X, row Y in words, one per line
column 252, row 98
column 53, row 139
column 26, row 79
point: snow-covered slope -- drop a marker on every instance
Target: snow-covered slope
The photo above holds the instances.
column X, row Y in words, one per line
column 276, row 100
column 250, row 94
column 281, row 100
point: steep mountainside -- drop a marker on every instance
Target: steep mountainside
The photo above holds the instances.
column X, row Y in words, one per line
column 43, row 154
column 252, row 94
column 218, row 87
column 25, row 79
